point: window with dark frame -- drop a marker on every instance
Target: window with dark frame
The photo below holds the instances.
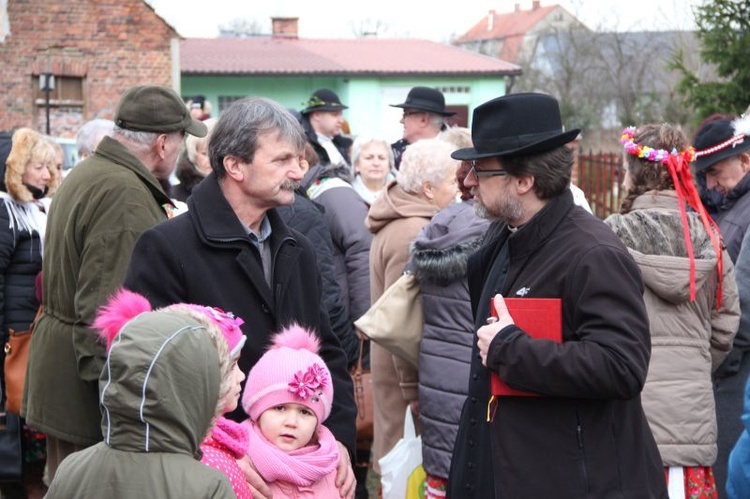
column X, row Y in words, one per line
column 68, row 91
column 226, row 100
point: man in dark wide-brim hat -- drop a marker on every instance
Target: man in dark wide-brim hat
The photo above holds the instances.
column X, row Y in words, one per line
column 322, row 120
column 423, row 118
column 584, row 434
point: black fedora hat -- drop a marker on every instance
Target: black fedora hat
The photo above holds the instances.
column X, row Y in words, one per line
column 425, row 99
column 514, row 125
column 323, row 99
column 718, row 140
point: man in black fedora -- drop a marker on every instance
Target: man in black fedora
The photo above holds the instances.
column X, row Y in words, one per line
column 584, row 433
column 423, row 118
column 322, row 120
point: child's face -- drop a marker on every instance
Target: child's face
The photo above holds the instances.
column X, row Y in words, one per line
column 288, row 426
column 231, row 399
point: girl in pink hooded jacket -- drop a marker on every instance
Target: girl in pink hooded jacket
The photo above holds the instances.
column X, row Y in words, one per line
column 228, row 440
column 288, row 396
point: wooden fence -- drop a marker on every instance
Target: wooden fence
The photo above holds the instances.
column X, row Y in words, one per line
column 599, row 177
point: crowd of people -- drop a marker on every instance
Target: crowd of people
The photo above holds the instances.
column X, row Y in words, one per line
column 193, row 285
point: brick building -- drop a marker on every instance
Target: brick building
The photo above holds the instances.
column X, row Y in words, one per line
column 95, row 49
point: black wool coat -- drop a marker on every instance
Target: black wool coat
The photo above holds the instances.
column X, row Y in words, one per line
column 306, row 217
column 205, row 256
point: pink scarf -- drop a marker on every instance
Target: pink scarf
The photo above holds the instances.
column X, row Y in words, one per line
column 232, row 436
column 302, row 467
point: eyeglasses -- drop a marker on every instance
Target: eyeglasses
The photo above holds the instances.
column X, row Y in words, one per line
column 410, row 113
column 499, row 172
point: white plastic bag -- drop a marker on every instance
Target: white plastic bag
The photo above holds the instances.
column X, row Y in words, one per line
column 398, row 464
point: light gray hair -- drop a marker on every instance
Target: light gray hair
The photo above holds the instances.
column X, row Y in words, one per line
column 138, row 140
column 437, row 120
column 458, row 136
column 427, row 160
column 364, row 140
column 239, row 128
column 91, row 133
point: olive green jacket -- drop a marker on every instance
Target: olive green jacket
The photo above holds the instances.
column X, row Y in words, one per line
column 159, row 390
column 105, row 203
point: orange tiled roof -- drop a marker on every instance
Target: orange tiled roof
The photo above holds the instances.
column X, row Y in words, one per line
column 513, row 24
column 275, row 56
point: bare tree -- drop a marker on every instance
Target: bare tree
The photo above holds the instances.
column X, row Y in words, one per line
column 605, row 80
column 369, row 27
column 242, row 27
column 566, row 64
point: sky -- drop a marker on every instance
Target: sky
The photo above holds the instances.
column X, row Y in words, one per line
column 413, row 18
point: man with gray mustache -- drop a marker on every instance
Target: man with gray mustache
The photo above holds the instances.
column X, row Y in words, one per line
column 232, row 250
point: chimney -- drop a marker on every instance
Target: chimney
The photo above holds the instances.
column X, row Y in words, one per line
column 518, row 7
column 284, row 27
column 491, row 20
column 535, row 5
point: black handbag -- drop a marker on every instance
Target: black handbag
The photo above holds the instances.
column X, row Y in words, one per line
column 11, row 460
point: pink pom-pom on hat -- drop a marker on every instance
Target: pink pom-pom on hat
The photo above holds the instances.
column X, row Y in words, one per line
column 122, row 307
column 291, row 371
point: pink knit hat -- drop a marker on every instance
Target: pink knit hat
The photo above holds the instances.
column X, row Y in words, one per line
column 228, row 324
column 290, row 372
column 126, row 305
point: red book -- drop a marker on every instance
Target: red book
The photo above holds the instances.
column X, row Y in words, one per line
column 540, row 318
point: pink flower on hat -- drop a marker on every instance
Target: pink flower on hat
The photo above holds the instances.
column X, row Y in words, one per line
column 308, row 383
column 319, row 374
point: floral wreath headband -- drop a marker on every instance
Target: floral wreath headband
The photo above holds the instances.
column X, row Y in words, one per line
column 650, row 154
column 678, row 165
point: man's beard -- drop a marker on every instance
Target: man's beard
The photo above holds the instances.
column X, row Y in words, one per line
column 291, row 185
column 508, row 209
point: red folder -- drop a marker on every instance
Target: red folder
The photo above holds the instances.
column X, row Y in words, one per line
column 540, row 318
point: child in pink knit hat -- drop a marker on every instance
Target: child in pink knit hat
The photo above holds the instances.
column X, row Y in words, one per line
column 288, row 396
column 227, row 440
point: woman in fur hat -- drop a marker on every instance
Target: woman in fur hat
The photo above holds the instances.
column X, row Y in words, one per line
column 691, row 299
column 23, row 217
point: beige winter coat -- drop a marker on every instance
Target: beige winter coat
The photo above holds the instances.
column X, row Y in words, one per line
column 395, row 218
column 688, row 339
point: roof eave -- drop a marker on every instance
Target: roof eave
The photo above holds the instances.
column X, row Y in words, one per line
column 510, row 72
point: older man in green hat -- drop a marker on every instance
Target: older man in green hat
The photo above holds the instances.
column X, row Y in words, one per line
column 99, row 212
